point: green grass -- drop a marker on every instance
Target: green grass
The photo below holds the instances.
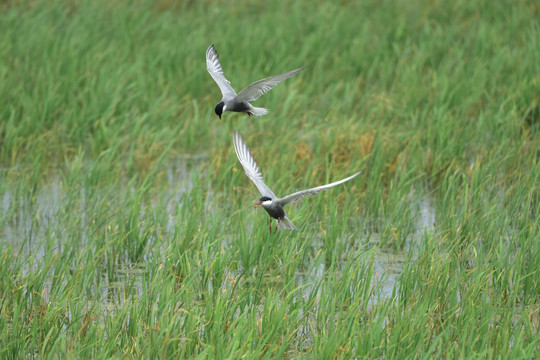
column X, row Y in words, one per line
column 125, row 225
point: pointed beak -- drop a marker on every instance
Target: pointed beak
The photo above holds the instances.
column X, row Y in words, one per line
column 219, row 117
column 257, row 204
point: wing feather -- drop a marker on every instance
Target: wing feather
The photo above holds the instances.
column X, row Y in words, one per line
column 259, row 88
column 310, row 192
column 214, row 68
column 250, row 166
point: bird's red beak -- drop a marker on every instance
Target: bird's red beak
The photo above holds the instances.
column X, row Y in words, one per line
column 257, row 204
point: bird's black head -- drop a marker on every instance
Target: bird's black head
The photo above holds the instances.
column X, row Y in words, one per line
column 262, row 200
column 219, row 109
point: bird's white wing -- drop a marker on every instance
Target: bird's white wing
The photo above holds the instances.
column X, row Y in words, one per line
column 214, row 68
column 309, row 192
column 250, row 166
column 259, row 88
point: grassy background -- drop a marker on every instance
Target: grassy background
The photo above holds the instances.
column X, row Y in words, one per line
column 125, row 221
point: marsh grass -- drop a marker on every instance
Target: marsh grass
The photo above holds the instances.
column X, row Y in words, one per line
column 125, row 223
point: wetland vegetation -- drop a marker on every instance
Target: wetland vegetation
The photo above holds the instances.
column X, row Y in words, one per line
column 126, row 227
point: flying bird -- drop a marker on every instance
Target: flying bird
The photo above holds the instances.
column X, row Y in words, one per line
column 269, row 201
column 231, row 101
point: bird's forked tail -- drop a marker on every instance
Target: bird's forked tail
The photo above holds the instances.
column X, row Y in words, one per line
column 285, row 223
column 257, row 111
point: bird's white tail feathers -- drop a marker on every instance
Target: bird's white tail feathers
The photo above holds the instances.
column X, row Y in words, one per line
column 258, row 111
column 285, row 223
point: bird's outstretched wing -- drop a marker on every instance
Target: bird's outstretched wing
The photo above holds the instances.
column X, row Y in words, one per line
column 309, row 192
column 250, row 166
column 259, row 88
column 214, row 68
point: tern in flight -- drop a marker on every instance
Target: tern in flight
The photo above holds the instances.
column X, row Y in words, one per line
column 269, row 201
column 231, row 101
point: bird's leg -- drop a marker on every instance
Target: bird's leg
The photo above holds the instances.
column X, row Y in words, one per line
column 270, row 226
column 276, row 226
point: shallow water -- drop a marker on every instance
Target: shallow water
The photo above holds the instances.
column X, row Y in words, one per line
column 387, row 262
column 28, row 222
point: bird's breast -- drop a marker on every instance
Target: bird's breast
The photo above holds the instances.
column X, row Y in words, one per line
column 275, row 211
column 239, row 106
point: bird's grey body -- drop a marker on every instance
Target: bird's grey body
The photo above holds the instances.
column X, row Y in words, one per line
column 269, row 201
column 237, row 106
column 231, row 101
column 276, row 211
